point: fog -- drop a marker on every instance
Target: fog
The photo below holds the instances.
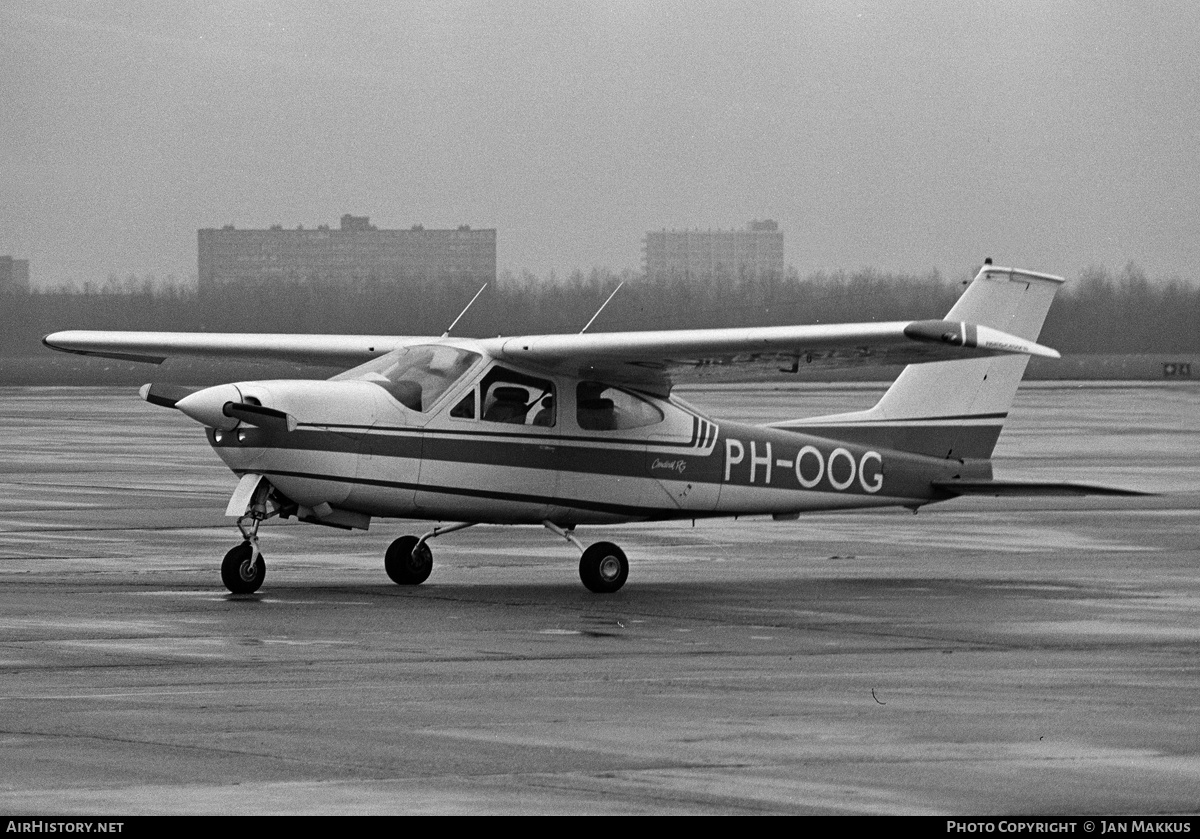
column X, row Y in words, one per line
column 909, row 137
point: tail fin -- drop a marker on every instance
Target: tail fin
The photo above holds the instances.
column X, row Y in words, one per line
column 954, row 409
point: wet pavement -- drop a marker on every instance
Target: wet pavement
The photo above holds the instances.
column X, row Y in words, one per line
column 984, row 656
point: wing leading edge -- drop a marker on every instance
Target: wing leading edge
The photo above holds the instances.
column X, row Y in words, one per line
column 666, row 357
column 655, row 359
column 156, row 347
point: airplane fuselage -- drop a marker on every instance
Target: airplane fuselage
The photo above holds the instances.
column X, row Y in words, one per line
column 395, row 462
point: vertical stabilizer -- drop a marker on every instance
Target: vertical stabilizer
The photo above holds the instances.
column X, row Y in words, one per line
column 954, row 409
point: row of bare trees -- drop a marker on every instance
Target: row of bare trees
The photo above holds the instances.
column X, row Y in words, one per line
column 1098, row 312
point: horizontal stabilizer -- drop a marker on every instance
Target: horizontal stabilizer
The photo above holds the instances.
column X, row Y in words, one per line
column 1028, row 489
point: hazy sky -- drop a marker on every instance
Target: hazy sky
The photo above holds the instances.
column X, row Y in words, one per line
column 904, row 136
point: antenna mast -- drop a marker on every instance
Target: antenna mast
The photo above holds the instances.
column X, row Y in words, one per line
column 602, row 305
column 446, row 334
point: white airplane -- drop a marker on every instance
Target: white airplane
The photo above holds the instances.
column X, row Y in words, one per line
column 569, row 430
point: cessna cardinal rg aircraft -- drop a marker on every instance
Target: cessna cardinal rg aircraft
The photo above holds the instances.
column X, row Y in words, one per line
column 568, row 430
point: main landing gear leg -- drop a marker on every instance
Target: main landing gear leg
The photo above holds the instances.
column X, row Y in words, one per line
column 603, row 566
column 409, row 561
column 243, row 569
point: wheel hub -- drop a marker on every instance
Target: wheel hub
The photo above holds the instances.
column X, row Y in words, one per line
column 610, row 568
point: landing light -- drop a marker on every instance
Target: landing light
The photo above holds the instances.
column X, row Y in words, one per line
column 218, row 435
column 241, row 435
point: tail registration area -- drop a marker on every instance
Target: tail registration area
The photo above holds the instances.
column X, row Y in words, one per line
column 835, row 469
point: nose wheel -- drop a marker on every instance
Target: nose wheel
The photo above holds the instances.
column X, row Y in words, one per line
column 243, row 569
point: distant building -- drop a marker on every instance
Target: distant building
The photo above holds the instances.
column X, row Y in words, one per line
column 14, row 274
column 356, row 251
column 756, row 251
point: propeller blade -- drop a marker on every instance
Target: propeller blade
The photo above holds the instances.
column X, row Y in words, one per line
column 267, row 418
column 164, row 395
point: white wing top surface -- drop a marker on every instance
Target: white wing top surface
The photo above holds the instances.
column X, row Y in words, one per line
column 155, row 347
column 650, row 359
column 690, row 355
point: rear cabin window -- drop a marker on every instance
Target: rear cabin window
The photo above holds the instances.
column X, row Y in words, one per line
column 601, row 407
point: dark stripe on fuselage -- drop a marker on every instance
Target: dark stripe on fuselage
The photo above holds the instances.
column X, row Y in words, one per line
column 603, row 457
column 963, row 442
column 934, row 436
column 699, row 427
column 538, row 437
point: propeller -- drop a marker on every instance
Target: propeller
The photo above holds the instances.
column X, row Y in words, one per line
column 221, row 406
column 165, row 395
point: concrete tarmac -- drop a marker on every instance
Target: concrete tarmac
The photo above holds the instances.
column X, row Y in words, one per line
column 983, row 657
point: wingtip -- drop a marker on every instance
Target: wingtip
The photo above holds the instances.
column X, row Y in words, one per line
column 962, row 334
column 83, row 343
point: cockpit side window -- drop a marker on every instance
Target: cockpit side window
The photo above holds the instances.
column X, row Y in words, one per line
column 601, row 407
column 416, row 377
column 465, row 409
column 510, row 397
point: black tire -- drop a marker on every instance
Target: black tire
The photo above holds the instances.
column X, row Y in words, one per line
column 603, row 568
column 407, row 564
column 238, row 574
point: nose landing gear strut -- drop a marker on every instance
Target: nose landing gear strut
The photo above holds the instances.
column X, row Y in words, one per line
column 243, row 569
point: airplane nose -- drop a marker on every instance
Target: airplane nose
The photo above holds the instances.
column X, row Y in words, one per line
column 208, row 406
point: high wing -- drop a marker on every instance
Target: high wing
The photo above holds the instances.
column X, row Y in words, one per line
column 662, row 358
column 156, row 347
column 655, row 359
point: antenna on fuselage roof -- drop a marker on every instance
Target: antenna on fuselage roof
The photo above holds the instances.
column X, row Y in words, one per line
column 602, row 305
column 446, row 334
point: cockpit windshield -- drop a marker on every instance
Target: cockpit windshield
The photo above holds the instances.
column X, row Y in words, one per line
column 416, row 377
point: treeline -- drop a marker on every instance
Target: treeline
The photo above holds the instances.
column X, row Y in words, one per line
column 1097, row 312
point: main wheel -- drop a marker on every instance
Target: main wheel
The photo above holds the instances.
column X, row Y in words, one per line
column 406, row 563
column 241, row 575
column 603, row 568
